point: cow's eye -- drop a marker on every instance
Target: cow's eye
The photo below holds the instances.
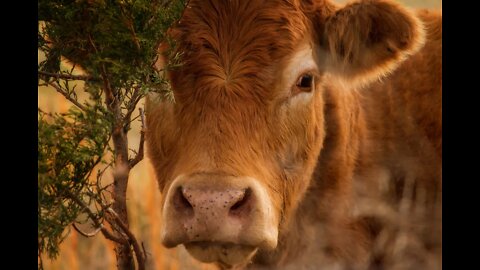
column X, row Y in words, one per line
column 304, row 83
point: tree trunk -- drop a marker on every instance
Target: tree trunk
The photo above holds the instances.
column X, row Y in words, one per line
column 123, row 252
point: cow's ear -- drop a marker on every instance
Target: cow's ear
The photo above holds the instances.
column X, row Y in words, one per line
column 366, row 40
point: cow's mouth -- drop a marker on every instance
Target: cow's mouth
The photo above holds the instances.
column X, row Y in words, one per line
column 226, row 254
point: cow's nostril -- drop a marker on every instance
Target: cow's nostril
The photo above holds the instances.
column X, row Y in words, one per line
column 243, row 204
column 181, row 202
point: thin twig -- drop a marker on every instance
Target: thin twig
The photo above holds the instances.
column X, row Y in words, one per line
column 166, row 3
column 73, row 67
column 128, row 20
column 92, row 234
column 142, row 116
column 99, row 176
column 40, row 259
column 112, row 237
column 67, row 96
column 144, row 251
column 134, row 35
column 131, row 107
column 133, row 240
column 95, row 163
column 92, row 43
column 109, row 95
column 109, row 235
column 101, row 188
column 109, row 92
column 140, row 153
column 134, row 118
column 67, row 76
column 44, row 112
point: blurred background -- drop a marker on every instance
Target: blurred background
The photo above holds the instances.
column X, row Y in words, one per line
column 143, row 199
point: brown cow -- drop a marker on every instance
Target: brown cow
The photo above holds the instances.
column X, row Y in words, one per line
column 304, row 134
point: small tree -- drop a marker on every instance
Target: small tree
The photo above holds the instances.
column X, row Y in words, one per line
column 115, row 44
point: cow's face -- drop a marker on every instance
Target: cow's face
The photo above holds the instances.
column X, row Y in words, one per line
column 235, row 153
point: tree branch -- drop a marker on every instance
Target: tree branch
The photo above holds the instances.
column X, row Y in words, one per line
column 40, row 259
column 97, row 223
column 144, row 251
column 166, row 3
column 109, row 96
column 140, row 153
column 131, row 107
column 128, row 21
column 120, row 177
column 132, row 239
column 67, row 96
column 92, row 234
column 68, row 76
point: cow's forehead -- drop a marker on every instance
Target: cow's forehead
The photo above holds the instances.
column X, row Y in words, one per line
column 236, row 44
column 236, row 28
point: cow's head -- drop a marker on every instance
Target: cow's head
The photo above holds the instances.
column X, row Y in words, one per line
column 235, row 153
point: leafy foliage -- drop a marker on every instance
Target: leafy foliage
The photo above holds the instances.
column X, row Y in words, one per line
column 69, row 147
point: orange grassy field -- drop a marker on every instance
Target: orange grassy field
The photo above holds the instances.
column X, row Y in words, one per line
column 78, row 252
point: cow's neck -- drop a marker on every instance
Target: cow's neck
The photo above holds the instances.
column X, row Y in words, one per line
column 308, row 238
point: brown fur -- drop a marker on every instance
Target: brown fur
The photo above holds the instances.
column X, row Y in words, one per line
column 359, row 140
